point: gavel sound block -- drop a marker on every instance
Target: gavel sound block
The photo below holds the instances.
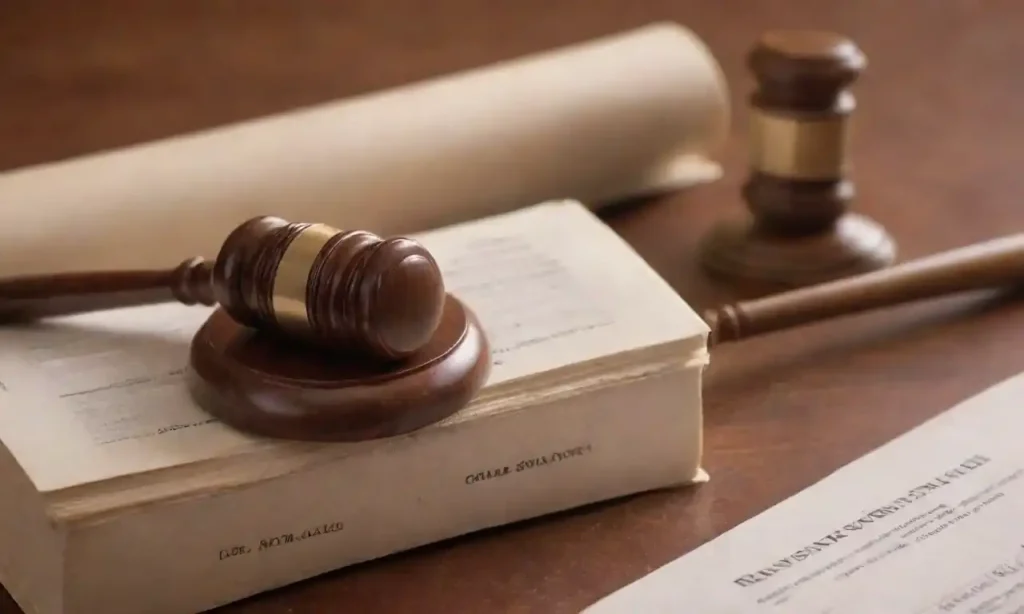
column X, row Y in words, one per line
column 799, row 191
column 320, row 334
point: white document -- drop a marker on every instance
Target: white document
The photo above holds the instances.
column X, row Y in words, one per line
column 931, row 523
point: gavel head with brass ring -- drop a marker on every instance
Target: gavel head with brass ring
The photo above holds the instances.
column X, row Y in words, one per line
column 351, row 290
column 802, row 228
column 799, row 129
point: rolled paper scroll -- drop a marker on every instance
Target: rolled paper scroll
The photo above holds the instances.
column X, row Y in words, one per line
column 637, row 112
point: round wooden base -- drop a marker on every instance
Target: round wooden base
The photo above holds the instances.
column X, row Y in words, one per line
column 264, row 385
column 856, row 244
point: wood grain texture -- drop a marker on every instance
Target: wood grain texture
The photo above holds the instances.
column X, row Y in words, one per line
column 936, row 159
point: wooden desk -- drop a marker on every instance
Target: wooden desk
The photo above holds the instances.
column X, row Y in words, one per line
column 939, row 159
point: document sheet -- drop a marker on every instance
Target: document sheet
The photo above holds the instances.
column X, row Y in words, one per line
column 931, row 523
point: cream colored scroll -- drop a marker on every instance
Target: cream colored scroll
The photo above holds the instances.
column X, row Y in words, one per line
column 636, row 112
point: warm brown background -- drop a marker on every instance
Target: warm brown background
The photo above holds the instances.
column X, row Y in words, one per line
column 939, row 160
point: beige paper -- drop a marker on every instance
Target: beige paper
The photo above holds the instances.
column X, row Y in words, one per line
column 631, row 113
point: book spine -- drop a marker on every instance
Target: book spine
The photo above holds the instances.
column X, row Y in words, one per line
column 196, row 554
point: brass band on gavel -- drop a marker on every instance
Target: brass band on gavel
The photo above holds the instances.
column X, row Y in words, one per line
column 805, row 146
column 291, row 293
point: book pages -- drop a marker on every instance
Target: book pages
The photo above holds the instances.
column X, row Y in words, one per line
column 228, row 542
column 554, row 286
column 101, row 395
column 616, row 117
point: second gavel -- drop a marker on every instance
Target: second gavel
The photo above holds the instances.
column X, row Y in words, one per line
column 350, row 290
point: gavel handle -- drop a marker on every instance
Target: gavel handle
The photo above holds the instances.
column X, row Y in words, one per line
column 999, row 262
column 34, row 297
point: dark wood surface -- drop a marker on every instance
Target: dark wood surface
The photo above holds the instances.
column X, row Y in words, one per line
column 937, row 159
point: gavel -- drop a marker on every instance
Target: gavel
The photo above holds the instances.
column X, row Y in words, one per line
column 384, row 297
column 343, row 290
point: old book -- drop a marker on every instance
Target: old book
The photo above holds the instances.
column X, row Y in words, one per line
column 121, row 496
column 616, row 117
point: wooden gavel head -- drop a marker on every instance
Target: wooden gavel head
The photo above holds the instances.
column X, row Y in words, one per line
column 401, row 352
column 340, row 289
